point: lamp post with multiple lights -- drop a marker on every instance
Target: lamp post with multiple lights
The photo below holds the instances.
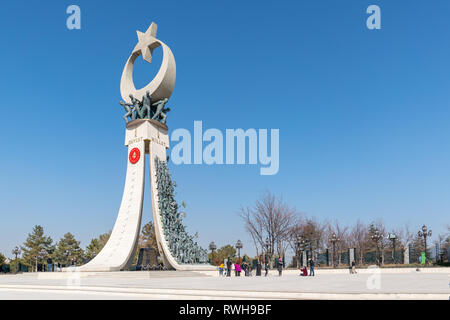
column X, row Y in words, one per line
column 16, row 251
column 424, row 234
column 267, row 251
column 42, row 254
column 298, row 243
column 334, row 239
column 239, row 247
column 376, row 237
column 212, row 247
column 393, row 237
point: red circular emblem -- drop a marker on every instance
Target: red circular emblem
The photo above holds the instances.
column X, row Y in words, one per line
column 134, row 156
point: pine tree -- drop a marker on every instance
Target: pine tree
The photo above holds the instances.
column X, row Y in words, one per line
column 225, row 252
column 147, row 238
column 96, row 245
column 2, row 259
column 68, row 251
column 93, row 249
column 35, row 243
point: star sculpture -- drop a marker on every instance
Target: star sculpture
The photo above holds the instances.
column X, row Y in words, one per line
column 147, row 42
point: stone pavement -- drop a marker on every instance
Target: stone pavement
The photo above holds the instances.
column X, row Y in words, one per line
column 195, row 285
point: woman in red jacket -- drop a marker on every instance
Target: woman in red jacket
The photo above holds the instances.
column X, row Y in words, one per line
column 237, row 268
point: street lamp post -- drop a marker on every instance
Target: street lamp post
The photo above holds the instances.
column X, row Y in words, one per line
column 307, row 243
column 267, row 250
column 333, row 241
column 303, row 248
column 16, row 251
column 376, row 237
column 239, row 247
column 393, row 238
column 42, row 254
column 425, row 233
column 212, row 247
column 299, row 242
column 67, row 253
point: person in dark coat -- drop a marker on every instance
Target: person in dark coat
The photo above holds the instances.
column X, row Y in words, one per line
column 280, row 266
column 228, row 267
column 311, row 267
column 353, row 269
column 245, row 268
column 258, row 268
column 266, row 268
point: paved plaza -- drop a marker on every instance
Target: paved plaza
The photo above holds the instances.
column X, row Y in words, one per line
column 198, row 286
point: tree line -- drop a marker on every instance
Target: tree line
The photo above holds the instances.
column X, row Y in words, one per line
column 39, row 247
column 275, row 228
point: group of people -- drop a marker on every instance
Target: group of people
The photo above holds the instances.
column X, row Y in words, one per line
column 304, row 271
column 226, row 267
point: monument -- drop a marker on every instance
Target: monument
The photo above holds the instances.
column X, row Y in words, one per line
column 147, row 133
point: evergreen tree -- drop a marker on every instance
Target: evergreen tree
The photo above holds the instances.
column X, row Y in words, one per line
column 68, row 251
column 93, row 249
column 36, row 241
column 97, row 245
column 225, row 252
column 147, row 238
column 2, row 259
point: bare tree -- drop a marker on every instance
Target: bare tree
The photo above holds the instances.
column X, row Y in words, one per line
column 383, row 242
column 341, row 232
column 270, row 219
column 405, row 236
column 358, row 238
column 294, row 232
column 442, row 243
column 313, row 232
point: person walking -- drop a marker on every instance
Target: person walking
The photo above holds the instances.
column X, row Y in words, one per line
column 280, row 266
column 311, row 267
column 221, row 267
column 228, row 268
column 353, row 267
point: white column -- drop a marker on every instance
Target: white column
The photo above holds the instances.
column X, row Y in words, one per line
column 121, row 246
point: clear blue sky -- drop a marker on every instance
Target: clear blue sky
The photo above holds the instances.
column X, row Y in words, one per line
column 363, row 115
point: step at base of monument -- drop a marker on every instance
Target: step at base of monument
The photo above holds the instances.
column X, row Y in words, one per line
column 121, row 274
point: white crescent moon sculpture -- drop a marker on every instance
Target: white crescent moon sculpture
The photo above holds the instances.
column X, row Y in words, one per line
column 161, row 86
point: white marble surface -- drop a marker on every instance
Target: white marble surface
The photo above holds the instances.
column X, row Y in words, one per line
column 195, row 285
